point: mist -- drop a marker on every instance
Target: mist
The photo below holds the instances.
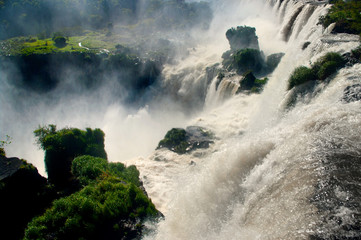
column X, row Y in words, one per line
column 133, row 117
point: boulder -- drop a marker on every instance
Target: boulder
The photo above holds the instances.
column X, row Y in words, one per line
column 273, row 60
column 247, row 82
column 182, row 141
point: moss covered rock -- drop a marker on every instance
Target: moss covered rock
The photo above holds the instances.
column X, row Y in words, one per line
column 110, row 209
column 62, row 146
column 186, row 140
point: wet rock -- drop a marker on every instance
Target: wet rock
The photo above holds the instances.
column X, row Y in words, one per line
column 352, row 93
column 351, row 58
column 247, row 82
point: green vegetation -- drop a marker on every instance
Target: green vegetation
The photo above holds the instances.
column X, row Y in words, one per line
column 327, row 65
column 42, row 72
column 250, row 82
column 245, row 55
column 175, row 140
column 301, row 75
column 320, row 70
column 60, row 41
column 108, row 204
column 88, row 169
column 128, row 174
column 346, row 15
column 248, row 60
column 91, row 42
column 62, row 146
column 245, row 60
column 186, row 140
column 108, row 210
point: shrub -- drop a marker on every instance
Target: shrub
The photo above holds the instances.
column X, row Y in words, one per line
column 321, row 69
column 327, row 69
column 91, row 213
column 87, row 168
column 327, row 65
column 62, row 146
column 301, row 75
column 129, row 174
column 175, row 140
column 247, row 60
column 60, row 41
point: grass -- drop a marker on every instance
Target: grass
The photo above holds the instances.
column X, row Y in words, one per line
column 90, row 41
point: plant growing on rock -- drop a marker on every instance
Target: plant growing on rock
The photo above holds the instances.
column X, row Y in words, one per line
column 301, row 75
column 110, row 209
column 320, row 70
column 345, row 15
column 62, row 146
column 176, row 140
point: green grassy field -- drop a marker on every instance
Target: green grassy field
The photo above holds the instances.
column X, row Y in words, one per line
column 90, row 41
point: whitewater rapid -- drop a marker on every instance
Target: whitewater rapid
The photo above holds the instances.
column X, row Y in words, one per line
column 271, row 172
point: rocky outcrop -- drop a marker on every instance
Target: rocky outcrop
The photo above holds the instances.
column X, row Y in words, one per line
column 9, row 166
column 242, row 37
column 186, row 140
column 24, row 194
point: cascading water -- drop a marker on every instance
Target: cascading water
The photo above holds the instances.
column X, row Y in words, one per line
column 274, row 172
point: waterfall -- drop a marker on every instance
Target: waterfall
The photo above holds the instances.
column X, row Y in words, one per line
column 272, row 173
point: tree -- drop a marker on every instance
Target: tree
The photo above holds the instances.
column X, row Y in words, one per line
column 62, row 146
column 60, row 41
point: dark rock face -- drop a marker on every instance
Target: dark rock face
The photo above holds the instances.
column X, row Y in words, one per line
column 24, row 194
column 43, row 73
column 9, row 166
column 273, row 60
column 247, row 82
column 352, row 57
column 352, row 93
